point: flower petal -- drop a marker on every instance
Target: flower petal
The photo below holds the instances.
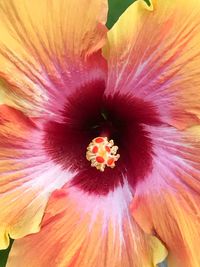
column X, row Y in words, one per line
column 167, row 202
column 156, row 59
column 27, row 176
column 81, row 230
column 45, row 51
column 153, row 53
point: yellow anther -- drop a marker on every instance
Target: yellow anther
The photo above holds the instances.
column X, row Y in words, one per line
column 102, row 153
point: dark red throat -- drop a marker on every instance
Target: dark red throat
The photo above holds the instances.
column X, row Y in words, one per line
column 88, row 114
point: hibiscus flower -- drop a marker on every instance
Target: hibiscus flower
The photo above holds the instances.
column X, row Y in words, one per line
column 100, row 133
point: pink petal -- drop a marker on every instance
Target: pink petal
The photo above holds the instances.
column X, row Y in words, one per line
column 27, row 176
column 81, row 230
column 153, row 53
column 46, row 52
column 167, row 201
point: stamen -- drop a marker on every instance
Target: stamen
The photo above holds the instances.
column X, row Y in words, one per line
column 102, row 153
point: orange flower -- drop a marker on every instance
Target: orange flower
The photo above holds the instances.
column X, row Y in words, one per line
column 99, row 133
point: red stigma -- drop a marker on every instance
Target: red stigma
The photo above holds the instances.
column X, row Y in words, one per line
column 95, row 149
column 99, row 140
column 100, row 159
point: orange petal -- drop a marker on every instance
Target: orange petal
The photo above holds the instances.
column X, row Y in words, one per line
column 82, row 230
column 47, row 49
column 167, row 202
column 153, row 53
column 27, row 176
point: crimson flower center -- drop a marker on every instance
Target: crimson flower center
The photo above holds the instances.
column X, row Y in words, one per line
column 91, row 120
